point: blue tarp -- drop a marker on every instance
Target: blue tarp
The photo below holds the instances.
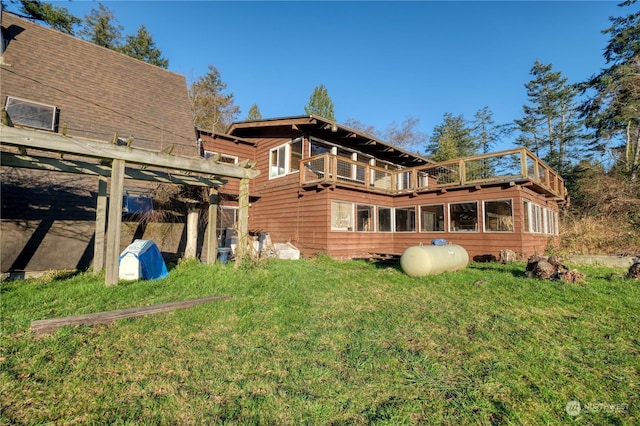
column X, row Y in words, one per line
column 152, row 264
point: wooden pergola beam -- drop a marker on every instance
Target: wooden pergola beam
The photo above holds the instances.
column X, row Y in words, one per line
column 86, row 168
column 54, row 142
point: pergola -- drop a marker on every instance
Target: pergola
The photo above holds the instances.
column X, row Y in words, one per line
column 119, row 160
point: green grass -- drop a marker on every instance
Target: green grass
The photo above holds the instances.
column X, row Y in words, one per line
column 326, row 342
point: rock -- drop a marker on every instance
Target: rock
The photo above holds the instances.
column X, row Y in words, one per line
column 544, row 270
column 634, row 271
column 507, row 256
column 572, row 276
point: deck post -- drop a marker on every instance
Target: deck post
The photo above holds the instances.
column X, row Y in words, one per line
column 212, row 237
column 115, row 221
column 101, row 226
column 243, row 221
column 192, row 232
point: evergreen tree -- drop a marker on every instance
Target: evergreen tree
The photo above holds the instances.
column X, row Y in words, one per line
column 614, row 110
column 484, row 129
column 141, row 46
column 57, row 17
column 452, row 139
column 320, row 104
column 550, row 126
column 254, row 113
column 213, row 110
column 100, row 27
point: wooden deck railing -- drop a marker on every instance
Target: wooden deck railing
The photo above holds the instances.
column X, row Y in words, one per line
column 505, row 166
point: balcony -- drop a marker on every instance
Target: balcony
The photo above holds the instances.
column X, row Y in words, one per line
column 517, row 166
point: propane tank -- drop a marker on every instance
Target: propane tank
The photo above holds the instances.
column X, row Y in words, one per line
column 419, row 261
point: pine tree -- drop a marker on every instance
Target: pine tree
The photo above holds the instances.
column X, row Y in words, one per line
column 100, row 27
column 57, row 17
column 213, row 110
column 141, row 46
column 550, row 126
column 320, row 104
column 452, row 139
column 254, row 113
column 614, row 110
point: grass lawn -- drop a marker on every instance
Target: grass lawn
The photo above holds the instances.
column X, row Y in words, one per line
column 326, row 342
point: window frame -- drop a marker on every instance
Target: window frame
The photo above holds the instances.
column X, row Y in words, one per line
column 348, row 227
column 289, row 166
column 372, row 217
column 208, row 154
column 16, row 119
column 444, row 219
column 411, row 219
column 486, row 221
column 477, row 221
column 379, row 222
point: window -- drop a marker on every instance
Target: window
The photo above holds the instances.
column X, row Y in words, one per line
column 364, row 217
column 498, row 216
column 385, row 219
column 227, row 219
column 31, row 114
column 405, row 219
column 224, row 158
column 285, row 158
column 539, row 220
column 341, row 216
column 432, row 218
column 463, row 217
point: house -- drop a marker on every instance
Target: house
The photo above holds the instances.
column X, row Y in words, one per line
column 330, row 189
column 55, row 84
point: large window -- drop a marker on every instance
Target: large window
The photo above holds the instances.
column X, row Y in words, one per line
column 285, row 158
column 498, row 216
column 463, row 217
column 432, row 218
column 31, row 114
column 364, row 217
column 539, row 220
column 341, row 216
column 385, row 219
column 405, row 219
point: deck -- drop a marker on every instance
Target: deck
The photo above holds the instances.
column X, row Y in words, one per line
column 511, row 166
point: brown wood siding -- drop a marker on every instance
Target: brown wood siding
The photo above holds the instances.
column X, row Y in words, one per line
column 224, row 146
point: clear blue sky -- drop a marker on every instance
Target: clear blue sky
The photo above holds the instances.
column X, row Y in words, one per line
column 380, row 61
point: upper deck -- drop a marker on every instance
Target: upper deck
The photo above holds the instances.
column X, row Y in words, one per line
column 516, row 166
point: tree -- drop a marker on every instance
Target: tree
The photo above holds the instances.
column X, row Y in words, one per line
column 406, row 134
column 101, row 28
column 213, row 109
column 254, row 113
column 550, row 126
column 613, row 111
column 452, row 139
column 484, row 129
column 362, row 127
column 320, row 104
column 141, row 46
column 57, row 17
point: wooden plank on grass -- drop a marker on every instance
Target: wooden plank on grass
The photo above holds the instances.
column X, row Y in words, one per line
column 49, row 325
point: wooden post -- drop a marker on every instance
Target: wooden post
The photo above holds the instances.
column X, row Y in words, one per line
column 115, row 220
column 243, row 221
column 212, row 237
column 101, row 226
column 192, row 233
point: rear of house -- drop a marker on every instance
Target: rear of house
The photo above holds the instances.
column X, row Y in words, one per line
column 330, row 189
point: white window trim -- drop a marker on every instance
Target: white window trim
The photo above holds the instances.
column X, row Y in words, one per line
column 374, row 218
column 477, row 217
column 287, row 158
column 392, row 217
column 349, row 225
column 484, row 222
column 420, row 217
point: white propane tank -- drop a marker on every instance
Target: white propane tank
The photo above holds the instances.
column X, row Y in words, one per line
column 419, row 261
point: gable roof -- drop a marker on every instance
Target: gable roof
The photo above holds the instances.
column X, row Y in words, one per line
column 318, row 126
column 98, row 92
